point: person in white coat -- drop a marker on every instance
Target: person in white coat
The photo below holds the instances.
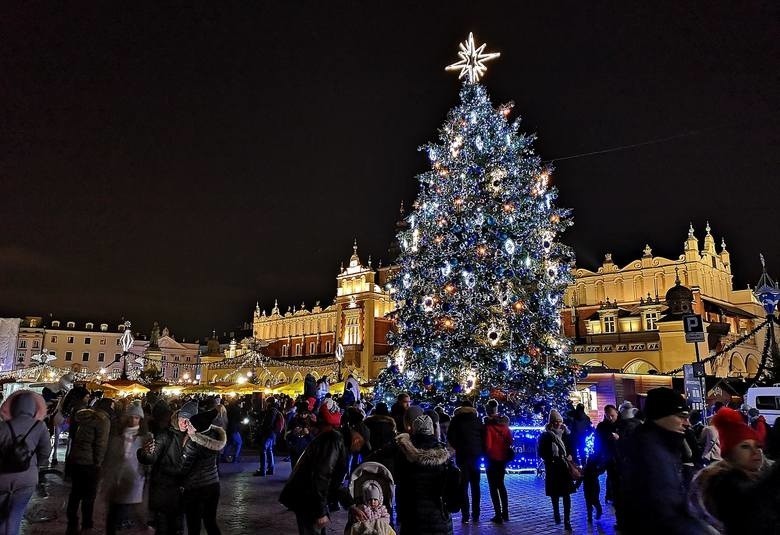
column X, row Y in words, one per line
column 124, row 478
column 22, row 414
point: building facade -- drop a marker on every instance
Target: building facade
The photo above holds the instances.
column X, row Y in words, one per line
column 619, row 317
column 354, row 327
column 90, row 346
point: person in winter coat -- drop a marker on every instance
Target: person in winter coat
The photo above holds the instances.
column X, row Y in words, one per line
column 466, row 436
column 741, row 493
column 421, row 466
column 606, row 447
column 85, row 458
column 580, row 428
column 498, row 452
column 233, row 430
column 357, row 437
column 553, row 448
column 444, row 422
column 198, row 470
column 652, row 470
column 301, row 429
column 124, row 478
column 317, row 474
column 626, row 426
column 22, row 413
column 271, row 425
column 381, row 427
column 164, row 454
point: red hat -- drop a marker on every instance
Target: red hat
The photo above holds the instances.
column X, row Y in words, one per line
column 732, row 429
column 330, row 413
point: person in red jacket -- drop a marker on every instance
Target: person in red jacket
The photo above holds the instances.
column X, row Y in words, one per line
column 498, row 452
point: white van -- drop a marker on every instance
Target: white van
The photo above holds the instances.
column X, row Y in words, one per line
column 767, row 400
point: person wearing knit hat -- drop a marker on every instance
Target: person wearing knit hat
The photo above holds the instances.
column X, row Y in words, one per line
column 372, row 511
column 123, row 479
column 421, row 477
column 651, row 466
column 554, row 447
column 317, row 473
column 189, row 409
column 741, row 493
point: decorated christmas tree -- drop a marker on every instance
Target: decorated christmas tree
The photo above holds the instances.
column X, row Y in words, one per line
column 481, row 274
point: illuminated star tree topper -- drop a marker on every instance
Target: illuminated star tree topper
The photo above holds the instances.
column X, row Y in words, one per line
column 472, row 60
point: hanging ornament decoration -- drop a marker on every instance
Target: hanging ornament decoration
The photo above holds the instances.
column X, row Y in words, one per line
column 509, row 246
column 494, row 335
column 127, row 338
column 428, row 303
column 43, row 357
column 469, row 279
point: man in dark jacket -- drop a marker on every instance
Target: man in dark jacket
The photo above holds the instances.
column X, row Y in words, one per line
column 652, row 470
column 271, row 425
column 318, row 474
column 606, row 448
column 165, row 456
column 466, row 435
column 85, row 457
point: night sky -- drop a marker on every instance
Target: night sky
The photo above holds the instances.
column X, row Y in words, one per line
column 177, row 164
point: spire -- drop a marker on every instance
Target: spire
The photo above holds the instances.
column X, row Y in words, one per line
column 676, row 276
column 275, row 309
column 354, row 260
column 257, row 309
column 723, row 245
column 709, row 241
column 690, row 230
column 691, row 245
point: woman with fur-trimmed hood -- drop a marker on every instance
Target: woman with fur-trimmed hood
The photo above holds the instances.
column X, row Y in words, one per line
column 199, row 471
column 421, row 466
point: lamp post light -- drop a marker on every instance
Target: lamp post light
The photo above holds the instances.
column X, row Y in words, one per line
column 339, row 359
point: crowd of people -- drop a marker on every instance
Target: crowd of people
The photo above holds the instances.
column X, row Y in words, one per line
column 405, row 468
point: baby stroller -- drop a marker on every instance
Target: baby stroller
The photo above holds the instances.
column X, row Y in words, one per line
column 361, row 474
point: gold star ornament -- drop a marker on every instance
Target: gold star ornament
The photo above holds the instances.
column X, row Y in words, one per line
column 472, row 60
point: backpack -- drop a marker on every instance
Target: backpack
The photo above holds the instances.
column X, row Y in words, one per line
column 16, row 454
column 451, row 491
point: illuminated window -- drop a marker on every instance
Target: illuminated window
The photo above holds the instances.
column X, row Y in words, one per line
column 104, row 327
column 22, row 344
column 651, row 318
column 327, row 346
column 297, row 350
column 285, row 350
column 53, row 339
column 312, row 348
column 609, row 324
column 70, row 339
column 102, row 341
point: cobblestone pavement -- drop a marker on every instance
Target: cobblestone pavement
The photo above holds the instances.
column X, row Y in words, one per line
column 248, row 505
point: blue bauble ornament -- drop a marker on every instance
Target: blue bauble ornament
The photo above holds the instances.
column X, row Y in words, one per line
column 502, row 236
column 398, row 383
column 525, row 360
column 446, row 307
column 457, row 229
column 394, row 369
column 583, row 373
column 414, row 389
column 439, row 385
column 490, row 220
column 471, row 241
column 550, row 382
column 499, row 271
column 417, row 348
column 427, row 380
column 484, row 393
column 457, row 389
column 454, row 262
column 502, row 366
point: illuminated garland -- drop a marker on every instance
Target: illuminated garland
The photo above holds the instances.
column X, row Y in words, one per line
column 728, row 348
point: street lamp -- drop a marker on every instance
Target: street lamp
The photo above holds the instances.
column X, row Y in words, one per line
column 339, row 358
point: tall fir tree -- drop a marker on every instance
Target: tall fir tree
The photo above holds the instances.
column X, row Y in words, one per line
column 481, row 274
